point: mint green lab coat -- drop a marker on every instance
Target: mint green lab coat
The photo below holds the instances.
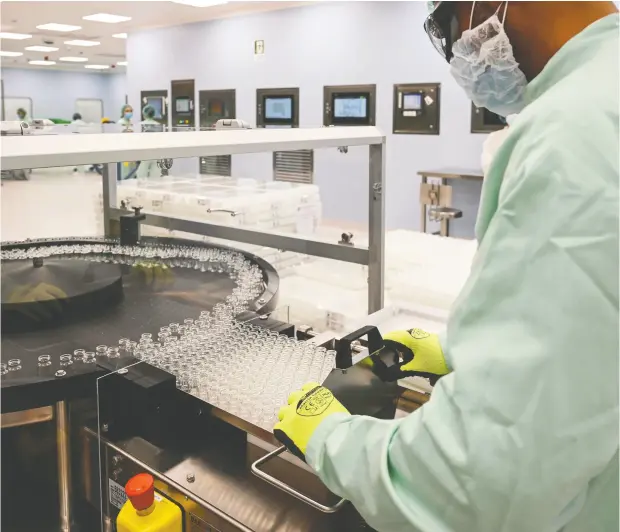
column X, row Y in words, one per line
column 522, row 436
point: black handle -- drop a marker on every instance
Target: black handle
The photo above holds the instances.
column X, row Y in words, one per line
column 344, row 359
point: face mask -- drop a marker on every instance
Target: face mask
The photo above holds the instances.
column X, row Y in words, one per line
column 484, row 66
column 128, row 115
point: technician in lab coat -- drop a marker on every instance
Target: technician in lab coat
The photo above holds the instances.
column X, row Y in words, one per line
column 126, row 116
column 521, row 432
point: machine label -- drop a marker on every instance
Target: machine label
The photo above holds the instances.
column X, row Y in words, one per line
column 198, row 525
column 428, row 100
column 117, row 494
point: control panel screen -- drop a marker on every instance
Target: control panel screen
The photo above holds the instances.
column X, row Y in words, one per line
column 156, row 103
column 181, row 105
column 278, row 108
column 412, row 102
column 350, row 107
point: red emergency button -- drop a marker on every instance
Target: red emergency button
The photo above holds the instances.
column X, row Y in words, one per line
column 140, row 491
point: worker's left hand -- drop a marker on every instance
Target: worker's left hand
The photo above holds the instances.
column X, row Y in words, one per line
column 420, row 355
column 306, row 409
column 155, row 275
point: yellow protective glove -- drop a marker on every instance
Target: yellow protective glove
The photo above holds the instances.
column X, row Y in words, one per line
column 420, row 353
column 31, row 293
column 155, row 275
column 306, row 409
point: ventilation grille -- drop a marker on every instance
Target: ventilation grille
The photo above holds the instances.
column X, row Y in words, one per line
column 215, row 165
column 294, row 166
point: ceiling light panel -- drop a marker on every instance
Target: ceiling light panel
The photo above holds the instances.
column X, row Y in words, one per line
column 14, row 36
column 10, row 54
column 42, row 63
column 54, row 26
column 201, row 3
column 41, row 48
column 122, row 63
column 73, row 59
column 107, row 18
column 97, row 67
column 120, row 35
column 79, row 42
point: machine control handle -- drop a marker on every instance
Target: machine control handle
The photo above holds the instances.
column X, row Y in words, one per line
column 288, row 489
column 344, row 358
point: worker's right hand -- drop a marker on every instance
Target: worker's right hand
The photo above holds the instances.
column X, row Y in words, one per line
column 420, row 355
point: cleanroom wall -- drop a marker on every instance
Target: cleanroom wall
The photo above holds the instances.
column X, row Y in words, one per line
column 326, row 44
column 54, row 92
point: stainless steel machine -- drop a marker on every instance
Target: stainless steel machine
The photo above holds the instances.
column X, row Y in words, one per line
column 110, row 377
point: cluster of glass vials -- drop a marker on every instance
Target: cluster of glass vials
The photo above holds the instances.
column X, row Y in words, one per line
column 246, row 275
column 240, row 367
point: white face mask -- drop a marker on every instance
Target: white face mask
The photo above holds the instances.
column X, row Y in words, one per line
column 483, row 64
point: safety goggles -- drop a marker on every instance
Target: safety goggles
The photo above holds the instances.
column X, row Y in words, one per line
column 442, row 28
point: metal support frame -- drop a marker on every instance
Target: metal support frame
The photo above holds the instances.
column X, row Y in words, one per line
column 373, row 257
column 424, row 211
column 376, row 227
column 64, row 465
column 109, row 178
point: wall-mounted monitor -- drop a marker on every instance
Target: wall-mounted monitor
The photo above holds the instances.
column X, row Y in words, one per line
column 412, row 101
column 416, row 108
column 182, row 94
column 352, row 105
column 182, row 105
column 277, row 107
column 350, row 108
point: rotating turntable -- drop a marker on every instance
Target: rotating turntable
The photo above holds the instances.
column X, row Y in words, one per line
column 65, row 295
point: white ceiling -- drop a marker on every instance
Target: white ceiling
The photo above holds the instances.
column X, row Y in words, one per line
column 23, row 17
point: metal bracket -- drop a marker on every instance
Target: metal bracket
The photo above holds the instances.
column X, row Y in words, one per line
column 164, row 165
column 286, row 488
column 232, row 213
column 346, row 239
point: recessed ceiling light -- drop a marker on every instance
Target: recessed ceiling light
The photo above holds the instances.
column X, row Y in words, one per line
column 201, row 3
column 42, row 63
column 14, row 36
column 53, row 26
column 97, row 67
column 10, row 54
column 41, row 48
column 73, row 59
column 120, row 35
column 107, row 18
column 122, row 63
column 79, row 42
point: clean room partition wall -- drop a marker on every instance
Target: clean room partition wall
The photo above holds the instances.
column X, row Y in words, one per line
column 326, row 44
column 54, row 92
